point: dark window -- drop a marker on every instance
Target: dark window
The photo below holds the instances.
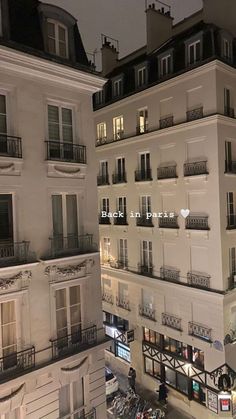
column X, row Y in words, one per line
column 6, row 218
column 152, row 367
column 198, row 357
column 182, row 383
column 170, row 377
column 174, row 346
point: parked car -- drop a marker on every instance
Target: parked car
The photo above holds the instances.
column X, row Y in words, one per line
column 112, row 385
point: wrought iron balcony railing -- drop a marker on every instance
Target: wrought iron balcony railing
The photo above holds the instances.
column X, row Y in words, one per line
column 231, row 221
column 123, row 302
column 195, row 168
column 143, row 175
column 230, row 166
column 145, row 269
column 146, row 311
column 171, row 321
column 121, row 221
column 107, row 297
column 74, row 343
column 198, row 279
column 166, row 122
column 170, row 274
column 14, row 252
column 17, row 361
column 101, row 140
column 118, row 135
column 199, row 331
column 68, row 152
column 119, row 177
column 71, row 245
column 228, row 111
column 197, row 222
column 143, row 221
column 168, row 222
column 103, row 180
column 119, row 264
column 142, row 129
column 166, row 172
column 104, row 220
column 10, row 146
column 194, row 114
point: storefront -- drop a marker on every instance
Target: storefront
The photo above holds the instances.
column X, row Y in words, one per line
column 116, row 329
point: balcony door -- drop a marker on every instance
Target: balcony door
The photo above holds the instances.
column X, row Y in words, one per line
column 8, row 335
column 142, row 122
column 121, row 204
column 145, row 163
column 60, row 133
column 6, row 227
column 118, row 127
column 146, row 254
column 227, row 101
column 228, row 156
column 123, row 252
column 3, row 125
column 231, row 209
column 145, row 205
column 65, row 222
column 120, row 167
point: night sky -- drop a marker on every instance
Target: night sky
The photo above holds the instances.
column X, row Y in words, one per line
column 121, row 19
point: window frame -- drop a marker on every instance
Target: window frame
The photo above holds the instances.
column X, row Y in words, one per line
column 118, row 134
column 117, row 87
column 64, row 211
column 58, row 24
column 101, row 127
column 198, row 38
column 60, row 106
column 164, row 56
column 123, row 249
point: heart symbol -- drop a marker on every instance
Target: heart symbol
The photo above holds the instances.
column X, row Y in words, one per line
column 184, row 212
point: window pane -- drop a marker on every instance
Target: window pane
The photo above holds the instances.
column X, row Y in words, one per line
column 51, row 29
column 61, row 319
column 74, row 295
column 198, row 357
column 3, row 124
column 199, row 392
column 6, row 219
column 148, row 366
column 53, row 122
column 75, row 315
column 71, row 214
column 66, row 116
column 8, row 312
column 9, row 335
column 170, row 377
column 182, row 383
column 146, row 334
column 57, row 215
column 62, row 33
column 156, row 369
column 62, row 49
column 60, row 298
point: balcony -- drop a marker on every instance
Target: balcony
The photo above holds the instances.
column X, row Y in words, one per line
column 101, row 140
column 121, row 221
column 145, row 269
column 118, row 135
column 10, row 146
column 119, row 177
column 142, row 129
column 166, row 122
column 228, row 111
column 168, row 222
column 195, row 168
column 143, row 175
column 198, row 279
column 147, row 312
column 143, row 221
column 194, row 114
column 11, row 253
column 231, row 222
column 74, row 343
column 107, row 297
column 199, row 331
column 230, row 166
column 17, row 362
column 67, row 152
column 169, row 274
column 71, row 245
column 166, row 172
column 171, row 321
column 119, row 264
column 122, row 302
column 197, row 222
column 103, row 180
column 104, row 220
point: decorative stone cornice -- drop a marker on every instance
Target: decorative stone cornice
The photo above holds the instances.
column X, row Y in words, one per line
column 13, row 394
column 70, row 271
column 6, row 283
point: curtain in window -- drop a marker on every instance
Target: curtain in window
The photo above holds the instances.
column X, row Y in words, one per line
column 67, row 130
column 72, row 221
column 53, row 123
column 57, row 215
column 61, row 314
column 6, row 222
column 8, row 331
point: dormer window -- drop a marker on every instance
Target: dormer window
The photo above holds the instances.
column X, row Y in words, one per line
column 194, row 52
column 117, row 87
column 0, row 18
column 57, row 35
column 141, row 75
column 99, row 97
column 227, row 47
column 165, row 63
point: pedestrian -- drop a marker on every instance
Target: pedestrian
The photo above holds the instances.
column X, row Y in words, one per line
column 132, row 378
column 163, row 393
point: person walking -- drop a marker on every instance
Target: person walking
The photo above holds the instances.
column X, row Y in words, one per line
column 163, row 393
column 132, row 378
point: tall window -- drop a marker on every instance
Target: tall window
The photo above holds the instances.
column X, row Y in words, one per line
column 123, row 252
column 57, row 39
column 106, row 249
column 146, row 249
column 145, row 162
column 102, row 131
column 228, row 105
column 60, row 132
column 232, row 262
column 3, row 115
column 71, row 399
column 118, row 127
column 6, row 219
column 145, row 204
column 120, row 167
column 65, row 221
column 117, row 87
column 141, row 76
column 0, row 18
column 121, row 204
column 103, row 168
column 105, row 204
column 99, row 97
column 142, row 121
column 227, row 48
column 68, row 312
column 8, row 338
column 165, row 65
column 194, row 52
column 231, row 210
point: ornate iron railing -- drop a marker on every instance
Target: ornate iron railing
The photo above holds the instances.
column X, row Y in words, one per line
column 196, row 222
column 167, row 172
column 194, row 114
column 168, row 222
column 143, row 221
column 231, row 221
column 103, row 180
column 123, row 302
column 146, row 311
column 107, row 297
column 143, row 175
column 230, row 166
column 195, row 168
column 142, row 129
column 119, row 177
column 16, row 251
column 118, row 135
column 74, row 343
column 166, row 122
column 228, row 111
column 121, row 221
column 171, row 321
column 199, row 331
column 104, row 220
column 68, row 152
column 198, row 279
column 170, row 274
column 100, row 141
column 72, row 244
column 17, row 361
column 146, row 270
column 10, row 146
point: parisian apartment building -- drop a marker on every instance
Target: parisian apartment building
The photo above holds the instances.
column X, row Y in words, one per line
column 166, row 174
column 51, row 329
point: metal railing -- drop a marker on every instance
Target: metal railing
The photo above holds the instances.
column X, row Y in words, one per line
column 107, row 297
column 17, row 361
column 168, row 222
column 123, row 302
column 231, row 221
column 146, row 311
column 195, row 168
column 194, row 114
column 171, row 321
column 199, row 331
column 143, row 175
column 144, row 269
column 102, row 180
column 170, row 274
column 118, row 135
column 74, row 343
column 166, row 172
column 104, row 220
column 80, row 414
column 230, row 166
column 196, row 222
column 228, row 111
column 121, row 221
column 10, row 146
column 119, row 264
column 101, row 140
column 68, row 152
column 14, row 251
column 198, row 279
column 71, row 245
column 119, row 177
column 142, row 129
column 143, row 221
column 166, row 122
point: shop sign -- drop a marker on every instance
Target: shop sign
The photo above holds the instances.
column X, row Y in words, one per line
column 225, row 404
column 130, row 336
column 212, row 401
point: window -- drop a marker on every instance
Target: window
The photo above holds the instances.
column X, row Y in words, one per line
column 152, row 367
column 106, row 249
column 145, row 162
column 120, row 168
column 232, row 262
column 71, row 399
column 118, row 127
column 147, row 253
column 145, row 204
column 123, row 351
column 60, row 132
column 123, row 253
column 121, row 204
column 6, row 220
column 198, row 357
column 65, row 221
column 104, row 168
column 3, row 115
column 174, row 346
column 141, row 76
column 102, row 131
column 99, row 97
column 8, row 336
column 68, row 313
column 57, row 39
column 231, row 221
column 1, row 33
column 198, row 392
column 194, row 52
column 105, row 204
column 165, row 65
column 151, row 336
column 227, row 49
column 142, row 121
column 117, row 87
column 228, row 103
column 182, row 383
column 170, row 377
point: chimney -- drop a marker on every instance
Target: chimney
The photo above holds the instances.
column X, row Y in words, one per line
column 221, row 13
column 158, row 27
column 110, row 55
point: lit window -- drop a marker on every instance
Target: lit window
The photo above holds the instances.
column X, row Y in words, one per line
column 101, row 131
column 141, row 76
column 57, row 38
column 118, row 127
column 194, row 52
column 117, row 87
column 106, row 249
column 68, row 313
column 123, row 252
column 60, row 133
column 165, row 65
column 142, row 121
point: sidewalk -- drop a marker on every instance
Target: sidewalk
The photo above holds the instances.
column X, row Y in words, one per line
column 171, row 413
